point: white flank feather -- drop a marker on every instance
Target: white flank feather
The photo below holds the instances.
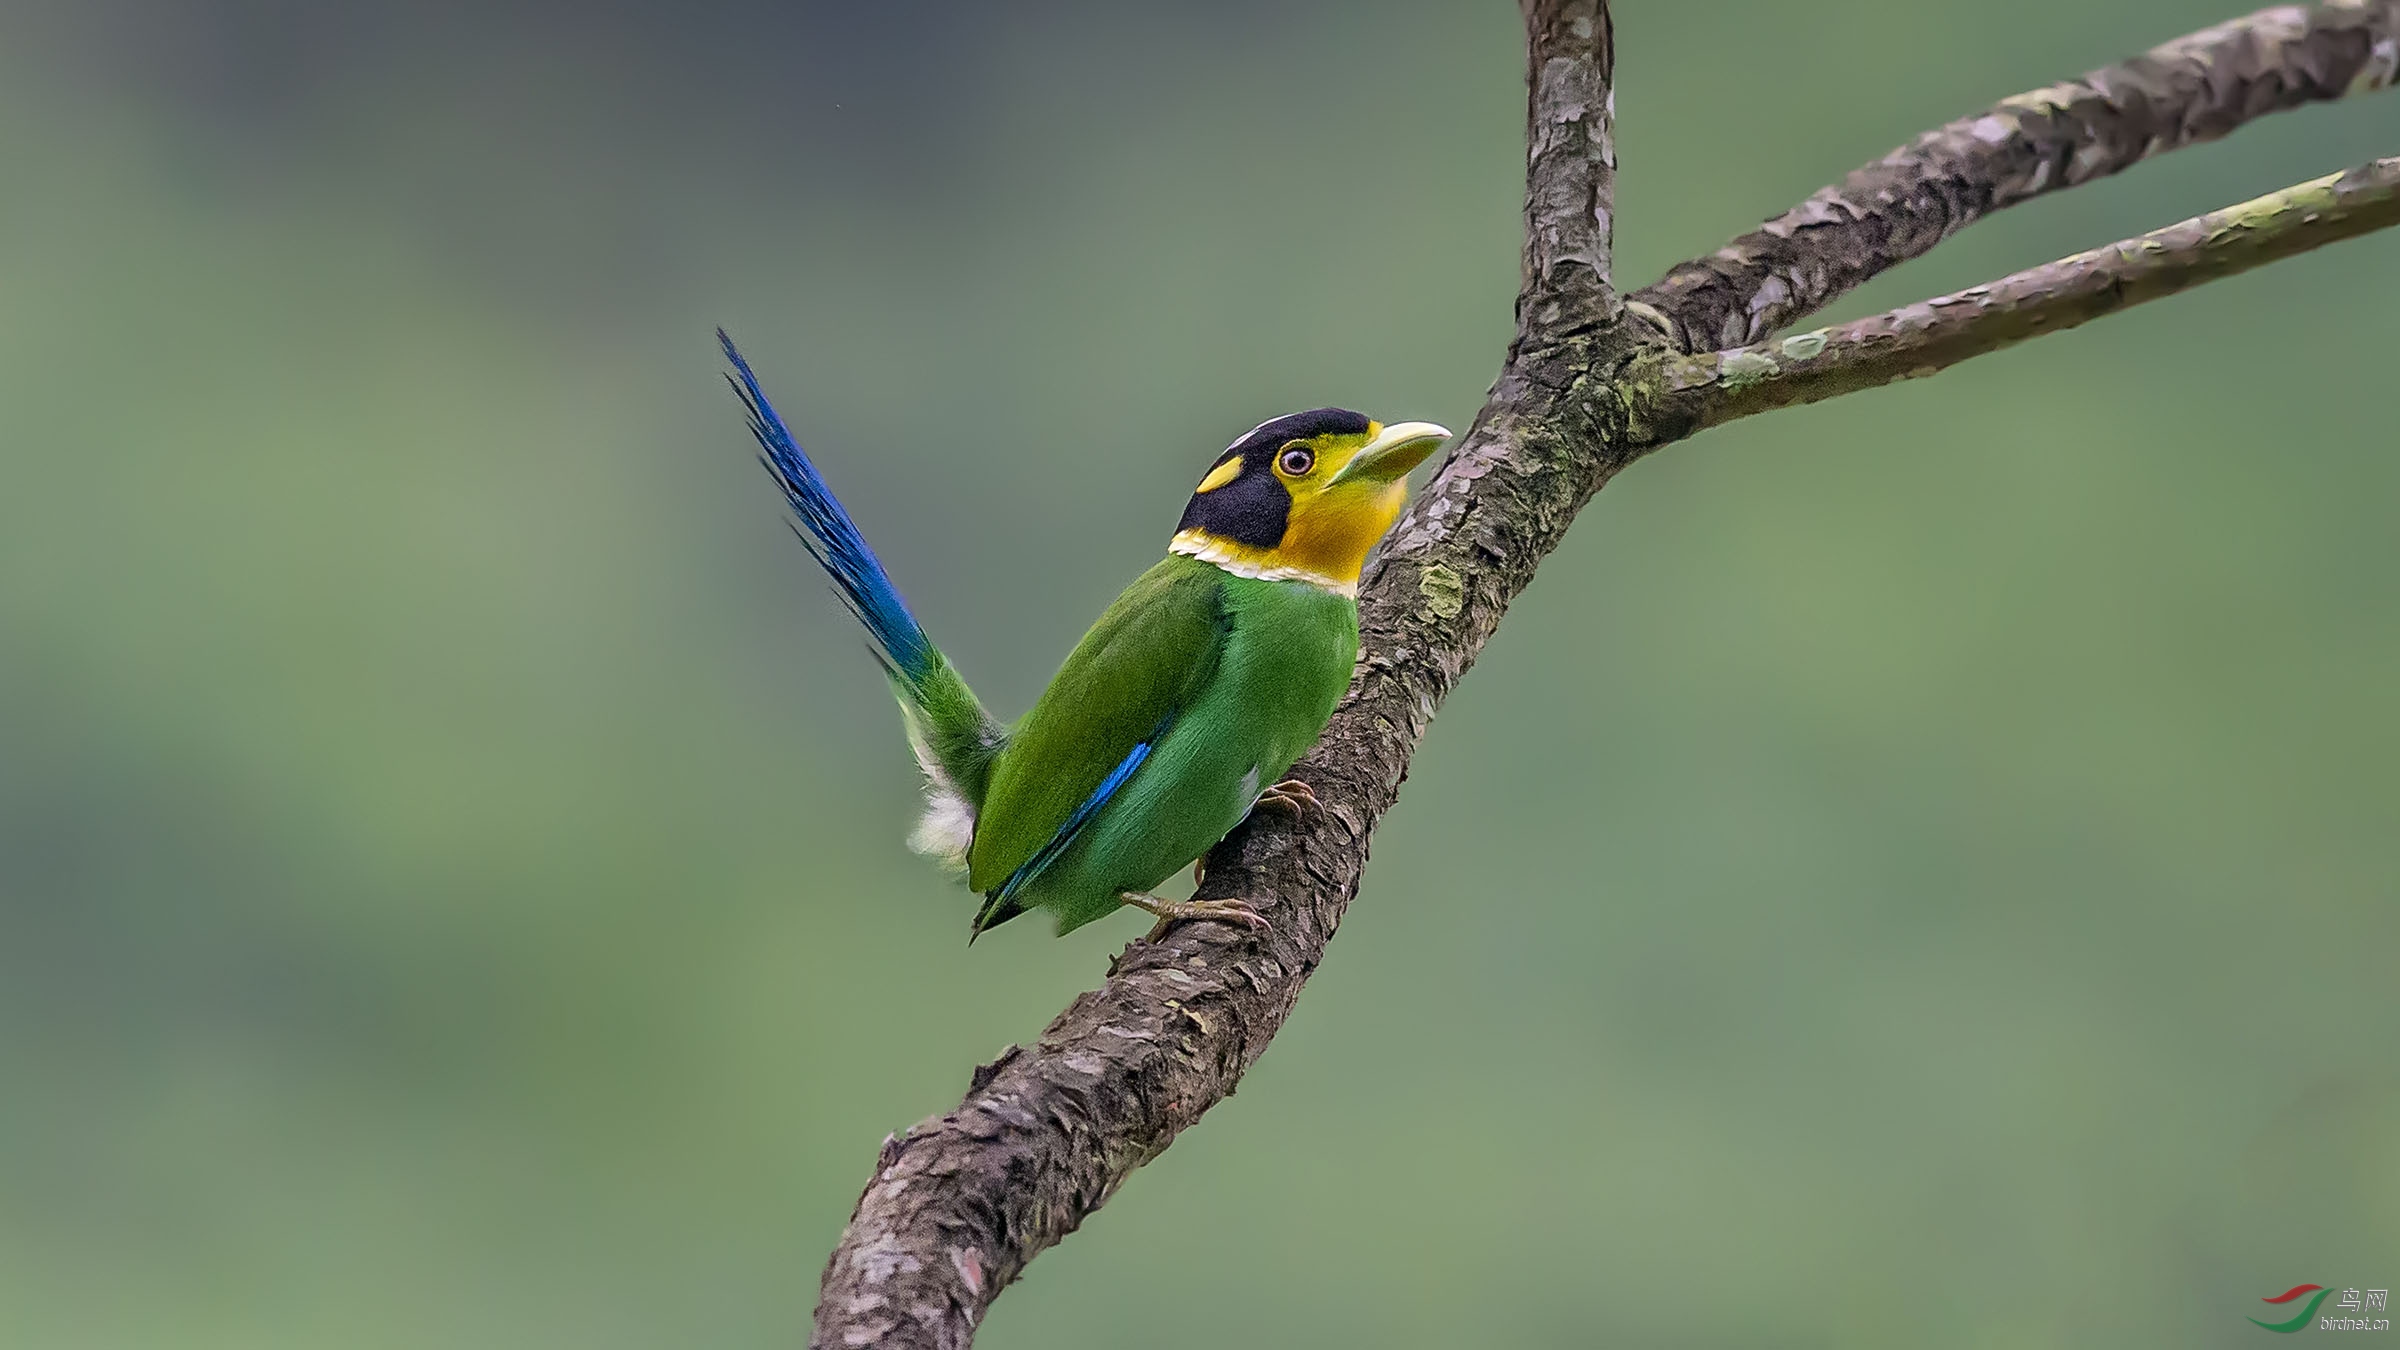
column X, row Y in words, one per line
column 948, row 825
column 946, row 828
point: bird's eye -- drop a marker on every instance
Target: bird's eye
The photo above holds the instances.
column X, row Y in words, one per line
column 1296, row 460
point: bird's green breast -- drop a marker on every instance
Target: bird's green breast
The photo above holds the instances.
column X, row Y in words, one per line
column 1286, row 664
column 1230, row 678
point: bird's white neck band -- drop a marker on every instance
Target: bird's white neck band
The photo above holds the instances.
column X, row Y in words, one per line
column 1210, row 549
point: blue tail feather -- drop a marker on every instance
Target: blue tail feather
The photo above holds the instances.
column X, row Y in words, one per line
column 955, row 740
column 828, row 532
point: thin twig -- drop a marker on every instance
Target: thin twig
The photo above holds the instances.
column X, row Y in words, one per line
column 1932, row 335
column 2195, row 88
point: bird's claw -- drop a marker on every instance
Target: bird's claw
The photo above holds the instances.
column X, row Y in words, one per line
column 1293, row 797
column 1173, row 912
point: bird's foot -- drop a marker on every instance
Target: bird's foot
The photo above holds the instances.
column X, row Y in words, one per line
column 1173, row 912
column 1292, row 797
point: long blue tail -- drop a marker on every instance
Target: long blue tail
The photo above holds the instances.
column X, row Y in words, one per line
column 955, row 739
column 830, row 534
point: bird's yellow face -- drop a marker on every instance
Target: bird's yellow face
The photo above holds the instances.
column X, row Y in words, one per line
column 1303, row 497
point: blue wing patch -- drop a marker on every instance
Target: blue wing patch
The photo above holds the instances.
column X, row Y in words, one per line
column 1081, row 816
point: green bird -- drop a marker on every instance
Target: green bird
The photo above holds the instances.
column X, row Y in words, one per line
column 1179, row 712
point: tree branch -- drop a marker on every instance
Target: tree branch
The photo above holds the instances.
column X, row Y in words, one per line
column 961, row 1202
column 2193, row 89
column 1571, row 168
column 1932, row 335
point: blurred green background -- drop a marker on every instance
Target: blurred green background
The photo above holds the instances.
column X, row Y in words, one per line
column 1916, row 870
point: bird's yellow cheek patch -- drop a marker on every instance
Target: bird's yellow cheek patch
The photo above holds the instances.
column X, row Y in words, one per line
column 1330, row 534
column 1221, row 475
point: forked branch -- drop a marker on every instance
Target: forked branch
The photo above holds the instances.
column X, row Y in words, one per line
column 1932, row 335
column 962, row 1201
column 2193, row 89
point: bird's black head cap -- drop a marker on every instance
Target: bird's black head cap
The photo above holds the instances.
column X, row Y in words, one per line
column 1252, row 506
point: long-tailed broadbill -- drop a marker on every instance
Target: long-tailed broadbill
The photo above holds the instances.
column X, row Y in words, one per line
column 1179, row 712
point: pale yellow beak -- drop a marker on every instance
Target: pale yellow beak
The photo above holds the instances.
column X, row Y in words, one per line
column 1394, row 451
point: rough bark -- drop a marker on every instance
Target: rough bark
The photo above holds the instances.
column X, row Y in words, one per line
column 961, row 1202
column 1046, row 1134
column 2193, row 89
column 1570, row 169
column 1932, row 335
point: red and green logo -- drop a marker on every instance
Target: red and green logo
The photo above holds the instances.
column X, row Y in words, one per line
column 2316, row 1293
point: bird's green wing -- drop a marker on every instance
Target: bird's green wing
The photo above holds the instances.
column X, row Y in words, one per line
column 1146, row 659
